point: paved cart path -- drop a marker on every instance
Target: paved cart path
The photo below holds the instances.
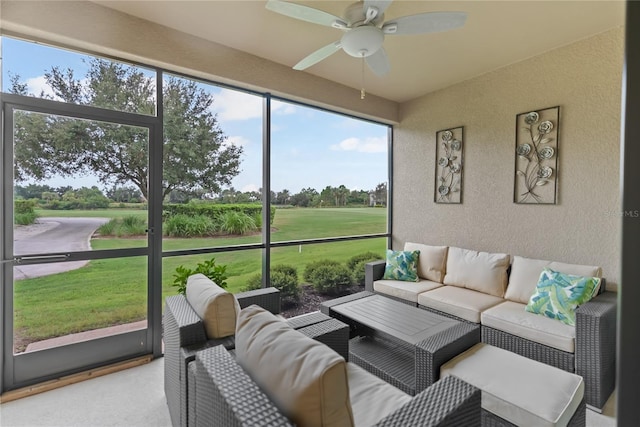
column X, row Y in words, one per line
column 51, row 235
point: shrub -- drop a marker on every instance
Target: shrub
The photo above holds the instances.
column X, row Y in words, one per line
column 356, row 263
column 327, row 276
column 234, row 222
column 129, row 225
column 25, row 218
column 213, row 210
column 24, row 206
column 132, row 225
column 312, row 266
column 283, row 277
column 25, row 213
column 257, row 218
column 217, row 273
column 254, row 282
column 108, row 228
column 182, row 225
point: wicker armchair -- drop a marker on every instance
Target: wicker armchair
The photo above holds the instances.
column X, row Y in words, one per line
column 184, row 335
column 225, row 395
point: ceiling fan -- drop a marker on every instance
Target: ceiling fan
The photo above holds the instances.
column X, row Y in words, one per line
column 364, row 29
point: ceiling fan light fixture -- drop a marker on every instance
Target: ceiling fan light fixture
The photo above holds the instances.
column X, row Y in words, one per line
column 362, row 41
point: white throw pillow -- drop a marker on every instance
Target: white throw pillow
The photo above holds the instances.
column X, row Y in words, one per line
column 432, row 261
column 481, row 271
column 306, row 379
column 217, row 308
column 525, row 273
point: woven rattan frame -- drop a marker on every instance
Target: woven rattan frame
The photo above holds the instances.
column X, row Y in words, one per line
column 530, row 349
column 596, row 347
column 226, row 396
column 184, row 335
column 325, row 307
column 595, row 343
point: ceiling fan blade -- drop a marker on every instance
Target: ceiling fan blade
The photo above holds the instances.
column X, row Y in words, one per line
column 378, row 62
column 381, row 5
column 430, row 22
column 318, row 56
column 305, row 13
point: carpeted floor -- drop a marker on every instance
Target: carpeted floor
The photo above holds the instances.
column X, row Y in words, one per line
column 130, row 398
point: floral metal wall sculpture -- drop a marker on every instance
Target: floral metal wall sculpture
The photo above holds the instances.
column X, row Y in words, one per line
column 449, row 148
column 536, row 164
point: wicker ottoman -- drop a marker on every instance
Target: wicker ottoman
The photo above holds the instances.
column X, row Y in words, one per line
column 519, row 391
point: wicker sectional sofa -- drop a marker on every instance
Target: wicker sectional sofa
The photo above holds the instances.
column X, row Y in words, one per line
column 492, row 289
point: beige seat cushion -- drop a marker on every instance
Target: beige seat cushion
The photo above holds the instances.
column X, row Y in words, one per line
column 406, row 290
column 464, row 303
column 511, row 317
column 217, row 308
column 519, row 390
column 372, row 399
column 480, row 271
column 432, row 261
column 525, row 273
column 306, row 379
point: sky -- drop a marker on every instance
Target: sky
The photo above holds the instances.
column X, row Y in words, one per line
column 309, row 147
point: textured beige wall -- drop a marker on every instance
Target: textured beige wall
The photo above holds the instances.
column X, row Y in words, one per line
column 87, row 26
column 585, row 80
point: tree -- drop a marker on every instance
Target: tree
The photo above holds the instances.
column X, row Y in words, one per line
column 32, row 191
column 327, row 196
column 197, row 157
column 380, row 194
column 124, row 194
column 304, row 198
column 358, row 197
column 282, row 197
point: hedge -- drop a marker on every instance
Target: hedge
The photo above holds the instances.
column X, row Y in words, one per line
column 214, row 210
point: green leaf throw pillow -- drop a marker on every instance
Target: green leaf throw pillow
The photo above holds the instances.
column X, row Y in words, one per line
column 402, row 265
column 558, row 295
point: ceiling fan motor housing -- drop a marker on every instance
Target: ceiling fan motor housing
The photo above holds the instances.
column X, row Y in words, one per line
column 362, row 41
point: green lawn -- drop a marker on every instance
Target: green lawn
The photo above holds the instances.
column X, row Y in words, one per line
column 113, row 291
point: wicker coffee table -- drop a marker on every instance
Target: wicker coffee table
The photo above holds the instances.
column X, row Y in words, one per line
column 402, row 344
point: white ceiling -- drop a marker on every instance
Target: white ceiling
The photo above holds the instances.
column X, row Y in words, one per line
column 497, row 33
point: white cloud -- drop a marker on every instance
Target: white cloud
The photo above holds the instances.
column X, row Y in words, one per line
column 236, row 105
column 250, row 187
column 239, row 141
column 282, row 109
column 366, row 145
column 36, row 85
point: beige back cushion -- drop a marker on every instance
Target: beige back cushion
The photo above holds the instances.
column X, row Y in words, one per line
column 525, row 273
column 432, row 261
column 217, row 308
column 481, row 271
column 304, row 378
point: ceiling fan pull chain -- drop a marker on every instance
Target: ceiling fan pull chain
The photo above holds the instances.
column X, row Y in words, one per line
column 362, row 90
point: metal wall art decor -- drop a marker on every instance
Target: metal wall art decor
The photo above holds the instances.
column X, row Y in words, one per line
column 449, row 148
column 536, row 170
